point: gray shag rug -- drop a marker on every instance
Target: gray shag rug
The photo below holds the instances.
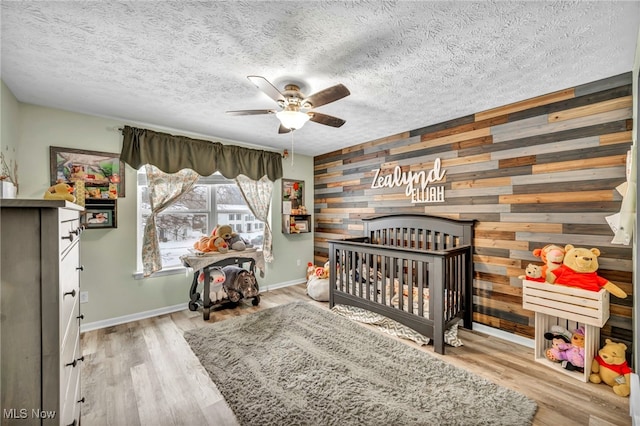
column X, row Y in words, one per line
column 298, row 364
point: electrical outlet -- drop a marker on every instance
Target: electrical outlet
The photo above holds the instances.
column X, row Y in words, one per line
column 84, row 296
column 298, row 262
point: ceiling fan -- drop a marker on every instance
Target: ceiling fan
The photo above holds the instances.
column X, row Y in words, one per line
column 296, row 108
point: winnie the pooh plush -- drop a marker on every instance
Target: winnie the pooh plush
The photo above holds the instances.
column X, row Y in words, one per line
column 60, row 191
column 610, row 366
column 579, row 268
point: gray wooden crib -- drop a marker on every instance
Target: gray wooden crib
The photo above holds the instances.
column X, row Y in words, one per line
column 414, row 269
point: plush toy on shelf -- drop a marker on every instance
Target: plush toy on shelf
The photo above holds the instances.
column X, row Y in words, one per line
column 560, row 338
column 579, row 270
column 532, row 273
column 216, row 279
column 233, row 240
column 60, row 191
column 551, row 255
column 610, row 366
column 570, row 353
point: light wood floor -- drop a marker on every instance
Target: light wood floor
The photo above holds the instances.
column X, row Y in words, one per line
column 144, row 373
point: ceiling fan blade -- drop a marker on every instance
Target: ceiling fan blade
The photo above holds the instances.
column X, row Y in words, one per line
column 283, row 129
column 328, row 120
column 326, row 96
column 252, row 112
column 268, row 88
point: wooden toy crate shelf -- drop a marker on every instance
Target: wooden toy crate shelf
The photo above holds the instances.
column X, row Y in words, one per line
column 569, row 307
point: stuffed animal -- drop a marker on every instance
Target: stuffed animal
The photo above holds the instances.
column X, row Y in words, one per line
column 223, row 231
column 60, row 191
column 94, row 193
column 560, row 338
column 533, row 273
column 570, row 354
column 610, row 366
column 318, row 283
column 216, row 279
column 551, row 255
column 240, row 283
column 579, row 270
column 310, row 270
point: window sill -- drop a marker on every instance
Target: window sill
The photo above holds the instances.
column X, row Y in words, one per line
column 139, row 275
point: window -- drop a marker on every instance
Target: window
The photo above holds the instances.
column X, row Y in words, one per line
column 213, row 200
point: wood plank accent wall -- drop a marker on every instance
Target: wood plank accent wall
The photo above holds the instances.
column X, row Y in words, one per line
column 535, row 172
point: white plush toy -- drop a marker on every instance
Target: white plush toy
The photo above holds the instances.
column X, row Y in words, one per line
column 318, row 284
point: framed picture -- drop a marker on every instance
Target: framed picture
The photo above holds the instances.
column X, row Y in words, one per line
column 293, row 195
column 101, row 172
column 303, row 225
column 100, row 214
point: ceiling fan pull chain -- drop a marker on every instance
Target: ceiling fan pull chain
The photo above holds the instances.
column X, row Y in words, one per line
column 292, row 130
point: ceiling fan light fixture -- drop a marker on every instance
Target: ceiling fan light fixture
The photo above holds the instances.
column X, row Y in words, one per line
column 292, row 120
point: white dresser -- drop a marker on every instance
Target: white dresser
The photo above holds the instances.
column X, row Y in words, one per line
column 40, row 312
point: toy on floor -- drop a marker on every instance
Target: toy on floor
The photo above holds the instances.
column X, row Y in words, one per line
column 579, row 270
column 318, row 282
column 610, row 366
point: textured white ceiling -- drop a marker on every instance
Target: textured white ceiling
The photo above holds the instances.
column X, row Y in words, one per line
column 180, row 65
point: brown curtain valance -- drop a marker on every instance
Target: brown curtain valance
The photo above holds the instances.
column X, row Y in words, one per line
column 172, row 153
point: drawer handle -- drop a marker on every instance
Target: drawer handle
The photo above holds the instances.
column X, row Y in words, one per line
column 80, row 317
column 72, row 293
column 74, row 362
column 73, row 423
column 81, row 400
column 77, row 231
column 80, row 268
column 68, row 237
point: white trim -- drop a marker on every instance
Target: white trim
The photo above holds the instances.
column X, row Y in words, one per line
column 282, row 285
column 90, row 326
column 162, row 311
column 504, row 335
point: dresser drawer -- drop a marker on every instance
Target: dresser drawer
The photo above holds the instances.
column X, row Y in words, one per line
column 69, row 291
column 70, row 387
column 68, row 229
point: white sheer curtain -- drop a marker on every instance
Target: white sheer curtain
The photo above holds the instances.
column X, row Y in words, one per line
column 257, row 194
column 164, row 189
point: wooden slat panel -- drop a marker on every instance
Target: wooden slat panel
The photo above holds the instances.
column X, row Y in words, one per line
column 596, row 108
column 539, row 171
column 528, row 104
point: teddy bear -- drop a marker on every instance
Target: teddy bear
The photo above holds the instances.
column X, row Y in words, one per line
column 579, row 268
column 60, row 191
column 551, row 255
column 610, row 366
column 233, row 240
column 532, row 273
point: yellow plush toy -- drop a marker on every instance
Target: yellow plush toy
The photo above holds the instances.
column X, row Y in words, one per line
column 60, row 191
column 579, row 268
column 610, row 366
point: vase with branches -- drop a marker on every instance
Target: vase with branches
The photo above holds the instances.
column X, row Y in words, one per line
column 8, row 171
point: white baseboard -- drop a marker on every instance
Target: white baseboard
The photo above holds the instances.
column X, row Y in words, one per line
column 510, row 337
column 110, row 322
column 634, row 400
